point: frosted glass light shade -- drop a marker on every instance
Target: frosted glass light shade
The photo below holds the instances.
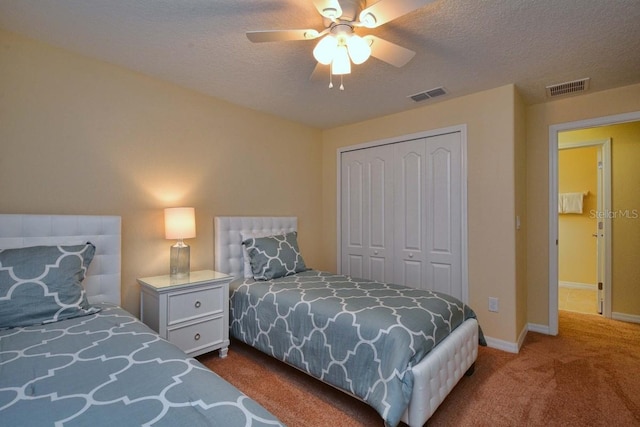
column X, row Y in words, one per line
column 179, row 223
column 341, row 63
column 359, row 49
column 325, row 50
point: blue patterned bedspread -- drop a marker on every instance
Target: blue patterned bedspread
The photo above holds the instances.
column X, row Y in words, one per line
column 109, row 369
column 363, row 337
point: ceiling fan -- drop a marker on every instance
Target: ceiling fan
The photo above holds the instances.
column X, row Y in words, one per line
column 339, row 44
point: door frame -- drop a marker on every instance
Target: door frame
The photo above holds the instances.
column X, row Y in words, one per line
column 553, row 199
column 603, row 262
column 462, row 129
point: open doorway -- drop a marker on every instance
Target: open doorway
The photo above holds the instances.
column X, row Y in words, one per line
column 622, row 221
column 584, row 192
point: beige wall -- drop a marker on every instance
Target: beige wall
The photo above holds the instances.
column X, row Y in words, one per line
column 539, row 118
column 80, row 136
column 83, row 136
column 625, row 210
column 491, row 189
column 577, row 249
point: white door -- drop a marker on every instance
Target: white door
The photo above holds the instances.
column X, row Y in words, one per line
column 428, row 214
column 366, row 217
column 402, row 213
column 443, row 185
column 600, row 232
column 410, row 213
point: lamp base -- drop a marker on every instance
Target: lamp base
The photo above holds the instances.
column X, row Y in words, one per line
column 179, row 261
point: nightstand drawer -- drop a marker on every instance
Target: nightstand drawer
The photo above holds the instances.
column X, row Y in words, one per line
column 194, row 304
column 193, row 337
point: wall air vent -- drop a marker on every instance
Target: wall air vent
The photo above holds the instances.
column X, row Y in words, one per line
column 428, row 94
column 568, row 88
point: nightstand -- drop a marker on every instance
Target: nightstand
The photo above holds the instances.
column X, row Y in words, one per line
column 191, row 312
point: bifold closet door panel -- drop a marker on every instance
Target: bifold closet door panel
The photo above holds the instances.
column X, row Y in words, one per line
column 443, row 214
column 366, row 216
column 409, row 213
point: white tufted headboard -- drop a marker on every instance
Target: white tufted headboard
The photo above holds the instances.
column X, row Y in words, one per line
column 102, row 283
column 228, row 240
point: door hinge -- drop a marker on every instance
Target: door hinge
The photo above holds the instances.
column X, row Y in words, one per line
column 599, row 286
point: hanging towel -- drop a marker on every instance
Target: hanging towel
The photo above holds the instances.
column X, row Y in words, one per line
column 560, row 203
column 570, row 203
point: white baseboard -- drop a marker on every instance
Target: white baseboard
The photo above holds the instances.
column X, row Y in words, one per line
column 514, row 347
column 633, row 318
column 577, row 285
column 543, row 329
column 503, row 345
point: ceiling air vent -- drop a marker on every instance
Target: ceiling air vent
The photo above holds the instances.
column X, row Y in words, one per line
column 428, row 94
column 568, row 88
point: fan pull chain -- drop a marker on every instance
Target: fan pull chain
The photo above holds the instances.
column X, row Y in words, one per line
column 341, row 84
column 330, row 79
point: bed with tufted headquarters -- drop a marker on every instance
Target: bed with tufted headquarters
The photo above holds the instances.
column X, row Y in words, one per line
column 399, row 349
column 69, row 355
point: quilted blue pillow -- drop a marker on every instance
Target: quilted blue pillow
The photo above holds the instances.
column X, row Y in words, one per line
column 274, row 256
column 43, row 284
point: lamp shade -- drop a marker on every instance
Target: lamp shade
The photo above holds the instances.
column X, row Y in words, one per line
column 179, row 223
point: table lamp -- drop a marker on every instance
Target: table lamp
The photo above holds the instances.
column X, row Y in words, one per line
column 179, row 223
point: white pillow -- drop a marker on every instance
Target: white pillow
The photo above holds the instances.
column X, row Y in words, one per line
column 248, row 273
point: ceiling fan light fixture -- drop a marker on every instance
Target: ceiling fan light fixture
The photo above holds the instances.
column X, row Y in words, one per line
column 325, row 50
column 341, row 63
column 331, row 13
column 359, row 49
column 368, row 19
column 311, row 34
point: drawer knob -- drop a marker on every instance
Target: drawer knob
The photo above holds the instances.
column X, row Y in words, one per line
column 410, row 255
column 196, row 337
column 197, row 304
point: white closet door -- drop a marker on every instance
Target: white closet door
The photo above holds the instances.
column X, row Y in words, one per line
column 409, row 213
column 366, row 218
column 402, row 213
column 428, row 218
column 444, row 214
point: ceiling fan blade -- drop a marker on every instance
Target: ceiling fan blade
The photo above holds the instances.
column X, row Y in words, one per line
column 281, row 35
column 389, row 52
column 328, row 8
column 388, row 10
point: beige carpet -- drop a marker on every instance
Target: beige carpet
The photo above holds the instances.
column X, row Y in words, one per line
column 589, row 375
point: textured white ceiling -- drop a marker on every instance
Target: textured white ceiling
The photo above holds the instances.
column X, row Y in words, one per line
column 464, row 45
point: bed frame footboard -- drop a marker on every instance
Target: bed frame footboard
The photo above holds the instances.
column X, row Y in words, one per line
column 437, row 374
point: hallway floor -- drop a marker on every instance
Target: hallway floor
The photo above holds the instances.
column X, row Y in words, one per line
column 578, row 300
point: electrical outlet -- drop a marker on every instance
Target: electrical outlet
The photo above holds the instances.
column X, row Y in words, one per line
column 493, row 304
